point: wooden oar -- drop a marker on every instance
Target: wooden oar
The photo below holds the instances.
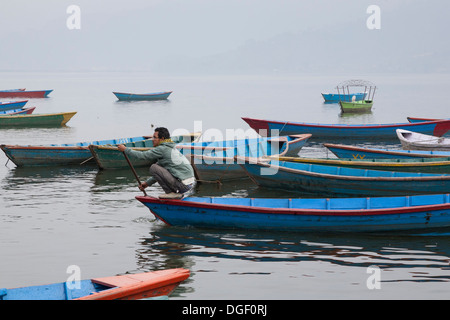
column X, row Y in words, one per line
column 134, row 171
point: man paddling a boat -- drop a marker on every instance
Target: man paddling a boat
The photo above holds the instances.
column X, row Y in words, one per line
column 168, row 167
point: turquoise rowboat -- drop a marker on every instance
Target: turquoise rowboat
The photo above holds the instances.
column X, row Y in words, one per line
column 426, row 165
column 123, row 96
column 121, row 287
column 343, row 182
column 217, row 161
column 335, row 97
column 36, row 120
column 353, row 152
column 382, row 214
column 58, row 154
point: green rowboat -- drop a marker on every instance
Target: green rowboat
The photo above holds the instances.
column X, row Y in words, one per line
column 356, row 106
column 36, row 120
column 109, row 156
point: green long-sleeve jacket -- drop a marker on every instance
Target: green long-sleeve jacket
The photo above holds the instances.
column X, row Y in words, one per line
column 167, row 156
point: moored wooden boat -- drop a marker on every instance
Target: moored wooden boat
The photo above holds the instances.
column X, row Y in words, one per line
column 335, row 97
column 341, row 181
column 348, row 131
column 303, row 215
column 24, row 93
column 36, row 120
column 17, row 111
column 121, row 287
column 426, row 165
column 346, row 151
column 58, row 154
column 124, row 96
column 11, row 105
column 418, row 141
column 356, row 106
column 109, row 157
column 218, row 161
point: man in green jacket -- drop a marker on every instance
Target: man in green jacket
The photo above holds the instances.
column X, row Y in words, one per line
column 168, row 167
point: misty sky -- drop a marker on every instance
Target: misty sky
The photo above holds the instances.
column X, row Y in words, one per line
column 260, row 35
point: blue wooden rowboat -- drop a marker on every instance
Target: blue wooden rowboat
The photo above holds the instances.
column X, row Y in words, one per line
column 343, row 182
column 353, row 152
column 122, row 287
column 58, row 154
column 17, row 111
column 216, row 161
column 303, row 215
column 348, row 131
column 123, row 96
column 11, row 105
column 335, row 97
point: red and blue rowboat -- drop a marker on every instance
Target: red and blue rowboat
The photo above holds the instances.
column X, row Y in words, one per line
column 17, row 111
column 11, row 105
column 24, row 93
column 123, row 96
column 122, row 287
column 352, row 131
column 303, row 215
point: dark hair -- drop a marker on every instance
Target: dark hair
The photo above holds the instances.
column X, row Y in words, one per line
column 163, row 133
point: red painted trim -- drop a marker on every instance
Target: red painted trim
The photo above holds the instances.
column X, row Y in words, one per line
column 319, row 212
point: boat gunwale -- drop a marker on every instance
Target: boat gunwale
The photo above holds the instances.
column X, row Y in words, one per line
column 381, row 151
column 433, row 177
column 297, row 211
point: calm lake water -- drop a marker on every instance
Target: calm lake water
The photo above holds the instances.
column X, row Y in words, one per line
column 52, row 218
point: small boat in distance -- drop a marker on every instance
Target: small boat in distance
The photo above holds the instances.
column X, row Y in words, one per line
column 24, row 93
column 10, row 105
column 418, row 141
column 17, row 111
column 354, row 106
column 121, row 287
column 36, row 120
column 335, row 98
column 123, row 96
